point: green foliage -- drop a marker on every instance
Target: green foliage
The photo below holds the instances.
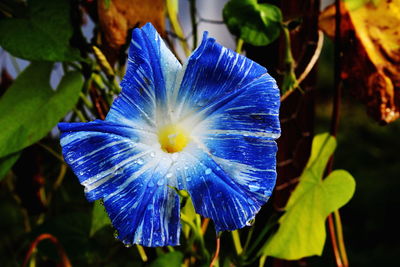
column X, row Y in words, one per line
column 100, row 218
column 31, row 108
column 302, row 231
column 256, row 24
column 43, row 33
column 188, row 211
column 171, row 259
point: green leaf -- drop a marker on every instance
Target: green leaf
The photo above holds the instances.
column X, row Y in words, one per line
column 6, row 163
column 302, row 227
column 30, row 108
column 171, row 259
column 188, row 210
column 44, row 33
column 256, row 24
column 99, row 218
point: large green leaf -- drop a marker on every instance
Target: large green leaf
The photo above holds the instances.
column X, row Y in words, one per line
column 171, row 259
column 31, row 108
column 256, row 24
column 99, row 218
column 44, row 33
column 302, row 230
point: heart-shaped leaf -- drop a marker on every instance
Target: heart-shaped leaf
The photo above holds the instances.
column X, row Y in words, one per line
column 256, row 24
column 31, row 108
column 43, row 33
column 301, row 230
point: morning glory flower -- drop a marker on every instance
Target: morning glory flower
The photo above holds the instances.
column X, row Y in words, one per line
column 207, row 127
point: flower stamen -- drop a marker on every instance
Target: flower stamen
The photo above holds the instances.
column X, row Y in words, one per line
column 173, row 138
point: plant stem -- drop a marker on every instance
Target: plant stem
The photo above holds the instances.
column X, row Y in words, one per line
column 142, row 253
column 288, row 47
column 239, row 46
column 61, row 252
column 196, row 228
column 204, row 225
column 80, row 115
column 86, row 101
column 186, row 220
column 200, row 237
column 248, row 239
column 236, row 242
column 215, row 258
column 338, row 67
column 262, row 261
column 289, row 79
column 314, row 58
column 193, row 12
column 335, row 248
column 51, row 151
column 337, row 232
column 172, row 10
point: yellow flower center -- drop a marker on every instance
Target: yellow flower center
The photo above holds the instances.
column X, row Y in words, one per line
column 173, row 138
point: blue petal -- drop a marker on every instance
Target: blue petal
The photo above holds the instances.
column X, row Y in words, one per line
column 230, row 91
column 222, row 189
column 249, row 161
column 232, row 104
column 151, row 71
column 118, row 164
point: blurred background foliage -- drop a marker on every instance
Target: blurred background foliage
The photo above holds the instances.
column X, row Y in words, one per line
column 76, row 52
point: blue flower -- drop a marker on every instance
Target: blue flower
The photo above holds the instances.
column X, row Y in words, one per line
column 208, row 127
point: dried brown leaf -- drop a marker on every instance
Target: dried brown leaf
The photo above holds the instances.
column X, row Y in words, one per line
column 371, row 54
column 121, row 15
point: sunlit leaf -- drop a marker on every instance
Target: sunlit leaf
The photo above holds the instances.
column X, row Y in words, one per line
column 371, row 64
column 31, row 108
column 171, row 259
column 44, row 33
column 99, row 218
column 256, row 24
column 301, row 231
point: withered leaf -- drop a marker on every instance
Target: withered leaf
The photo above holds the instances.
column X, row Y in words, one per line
column 119, row 16
column 370, row 36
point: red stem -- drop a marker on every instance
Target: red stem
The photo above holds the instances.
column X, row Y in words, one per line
column 204, row 225
column 216, row 252
column 332, row 235
column 335, row 120
column 61, row 252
